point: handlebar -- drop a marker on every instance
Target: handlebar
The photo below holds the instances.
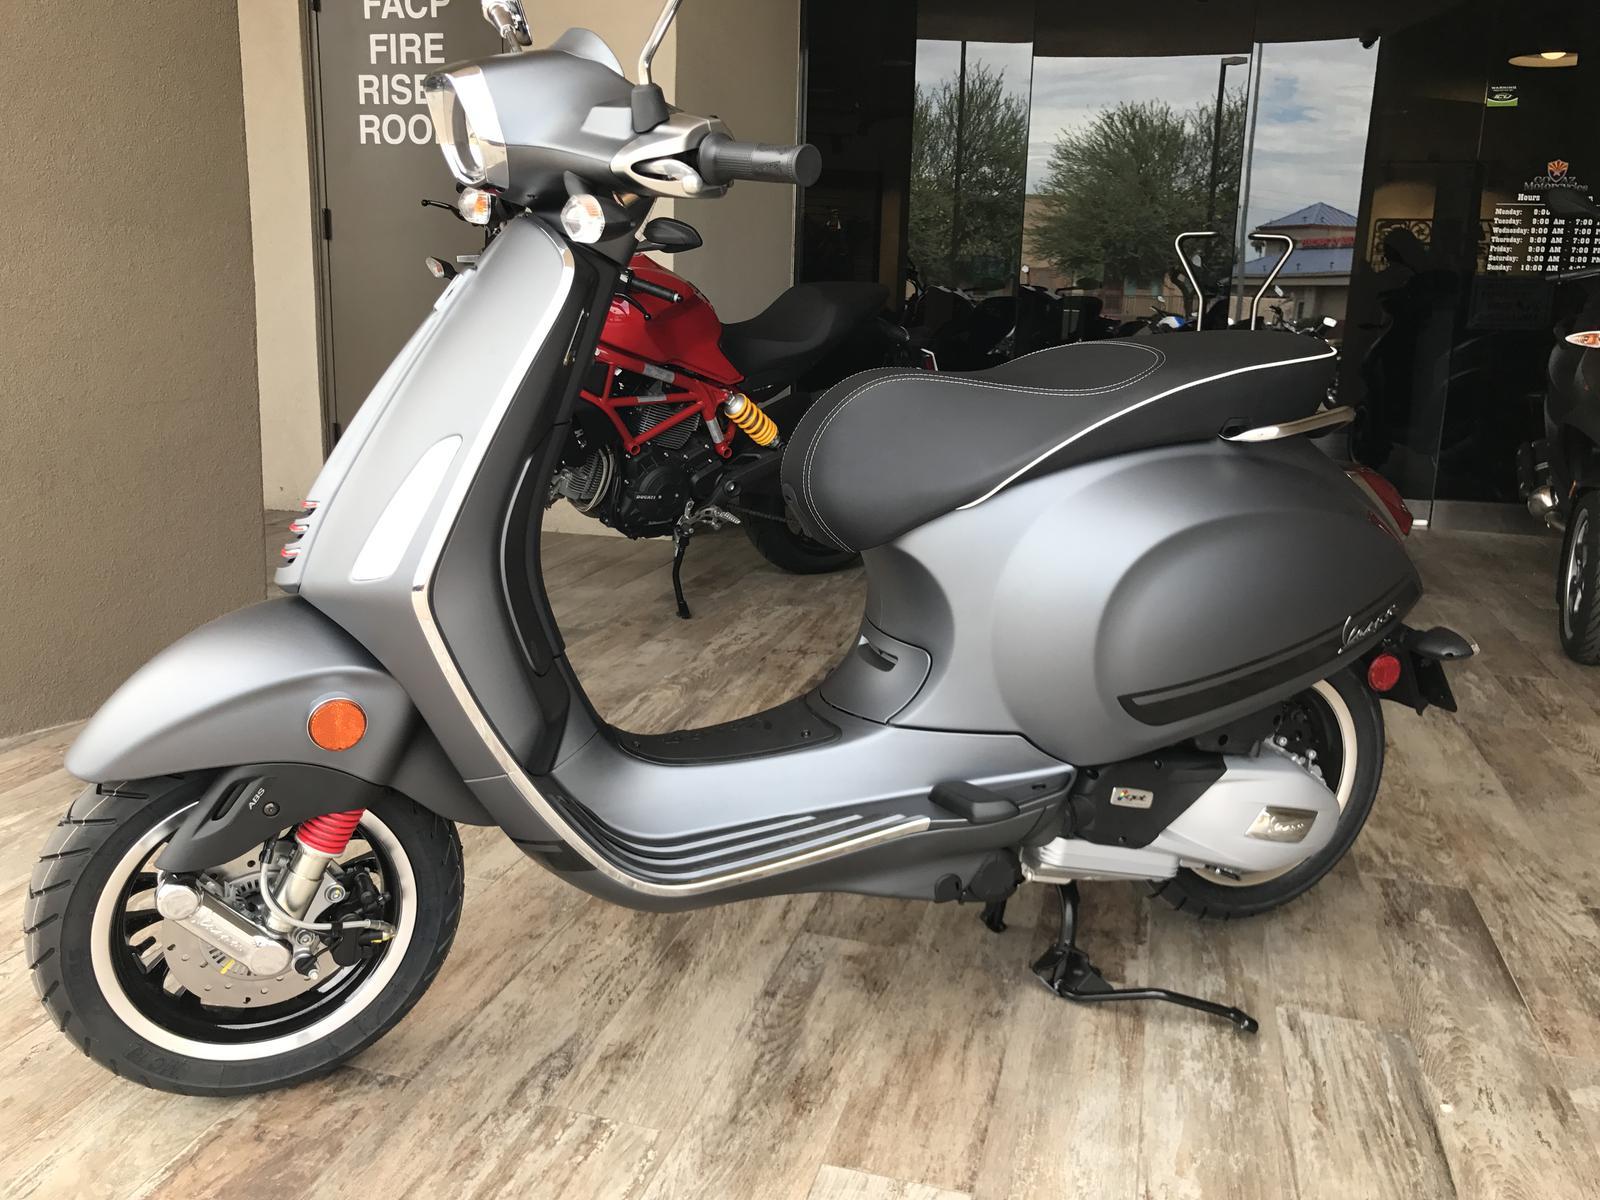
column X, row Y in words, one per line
column 724, row 160
column 632, row 283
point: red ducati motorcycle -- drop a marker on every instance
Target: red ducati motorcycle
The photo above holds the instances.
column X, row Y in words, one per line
column 682, row 418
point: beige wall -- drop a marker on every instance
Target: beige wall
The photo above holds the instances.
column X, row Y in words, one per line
column 740, row 60
column 283, row 231
column 129, row 454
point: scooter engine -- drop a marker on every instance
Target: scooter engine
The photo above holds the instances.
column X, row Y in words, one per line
column 1264, row 813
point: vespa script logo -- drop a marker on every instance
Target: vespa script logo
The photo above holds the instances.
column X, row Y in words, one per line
column 1355, row 631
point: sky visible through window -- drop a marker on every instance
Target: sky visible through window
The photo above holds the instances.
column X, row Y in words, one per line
column 1311, row 132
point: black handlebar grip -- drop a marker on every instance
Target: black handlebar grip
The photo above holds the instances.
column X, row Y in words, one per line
column 723, row 160
column 632, row 283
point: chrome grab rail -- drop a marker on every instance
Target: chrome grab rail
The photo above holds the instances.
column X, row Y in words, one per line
column 1258, row 236
column 1330, row 418
column 1183, row 261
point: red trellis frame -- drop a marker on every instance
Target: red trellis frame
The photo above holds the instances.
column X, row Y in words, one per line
column 693, row 398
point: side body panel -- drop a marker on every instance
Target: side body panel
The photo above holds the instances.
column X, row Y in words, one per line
column 1126, row 604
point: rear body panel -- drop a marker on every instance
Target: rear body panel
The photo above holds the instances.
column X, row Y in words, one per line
column 1124, row 605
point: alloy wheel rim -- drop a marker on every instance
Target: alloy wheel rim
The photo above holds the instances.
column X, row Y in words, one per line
column 1343, row 728
column 333, row 1002
column 1576, row 573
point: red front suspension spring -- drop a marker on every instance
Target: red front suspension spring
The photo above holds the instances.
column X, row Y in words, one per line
column 330, row 833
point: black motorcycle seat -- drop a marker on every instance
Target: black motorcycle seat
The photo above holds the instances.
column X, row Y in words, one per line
column 798, row 329
column 888, row 450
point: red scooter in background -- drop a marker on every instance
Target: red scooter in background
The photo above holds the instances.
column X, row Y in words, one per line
column 682, row 418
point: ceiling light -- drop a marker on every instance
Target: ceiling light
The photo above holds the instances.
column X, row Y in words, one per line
column 1546, row 58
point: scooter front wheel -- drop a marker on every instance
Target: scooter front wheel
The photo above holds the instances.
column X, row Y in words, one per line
column 152, row 1001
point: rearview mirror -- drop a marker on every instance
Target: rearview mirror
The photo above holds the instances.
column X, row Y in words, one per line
column 669, row 234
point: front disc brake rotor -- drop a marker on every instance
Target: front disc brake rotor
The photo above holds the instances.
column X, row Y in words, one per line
column 219, row 979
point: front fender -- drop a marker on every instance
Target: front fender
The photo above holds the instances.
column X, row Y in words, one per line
column 239, row 691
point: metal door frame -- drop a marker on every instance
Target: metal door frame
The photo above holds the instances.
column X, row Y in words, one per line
column 311, row 66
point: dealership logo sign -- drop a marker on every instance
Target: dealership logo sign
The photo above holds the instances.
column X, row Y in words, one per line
column 1557, row 174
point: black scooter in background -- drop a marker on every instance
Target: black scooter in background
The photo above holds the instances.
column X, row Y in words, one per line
column 1560, row 475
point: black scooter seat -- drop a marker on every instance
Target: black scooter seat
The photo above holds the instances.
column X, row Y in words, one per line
column 888, row 450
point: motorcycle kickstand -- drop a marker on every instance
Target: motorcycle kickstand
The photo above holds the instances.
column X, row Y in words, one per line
column 680, row 544
column 994, row 916
column 1067, row 971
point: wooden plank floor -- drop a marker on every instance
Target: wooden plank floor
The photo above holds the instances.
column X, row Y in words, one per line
column 1430, row 1015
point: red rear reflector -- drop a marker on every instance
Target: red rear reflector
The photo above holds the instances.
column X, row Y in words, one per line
column 1385, row 493
column 1383, row 673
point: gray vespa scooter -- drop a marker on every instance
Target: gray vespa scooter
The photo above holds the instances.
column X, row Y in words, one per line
column 1125, row 622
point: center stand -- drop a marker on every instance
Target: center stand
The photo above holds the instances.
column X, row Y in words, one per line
column 1067, row 971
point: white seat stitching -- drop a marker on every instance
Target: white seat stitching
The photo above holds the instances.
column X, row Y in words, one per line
column 808, row 494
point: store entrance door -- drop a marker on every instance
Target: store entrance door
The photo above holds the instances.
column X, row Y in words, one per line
column 376, row 162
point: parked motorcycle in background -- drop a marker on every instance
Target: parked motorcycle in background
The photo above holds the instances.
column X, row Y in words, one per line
column 684, row 417
column 1560, row 475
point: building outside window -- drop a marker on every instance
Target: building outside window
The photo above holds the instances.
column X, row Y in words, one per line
column 1031, row 165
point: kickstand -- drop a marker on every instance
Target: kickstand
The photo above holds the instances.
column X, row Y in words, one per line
column 1067, row 971
column 680, row 543
column 994, row 916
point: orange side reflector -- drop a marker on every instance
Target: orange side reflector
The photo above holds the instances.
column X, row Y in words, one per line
column 336, row 724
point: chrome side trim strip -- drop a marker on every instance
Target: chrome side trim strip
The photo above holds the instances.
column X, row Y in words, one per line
column 550, row 814
column 1183, row 387
column 1331, row 419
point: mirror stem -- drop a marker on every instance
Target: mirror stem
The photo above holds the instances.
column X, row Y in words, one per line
column 653, row 42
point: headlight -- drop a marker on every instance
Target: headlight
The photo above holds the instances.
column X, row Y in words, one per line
column 467, row 127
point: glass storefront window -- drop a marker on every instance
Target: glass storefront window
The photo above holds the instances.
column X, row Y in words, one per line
column 1055, row 152
column 1125, row 153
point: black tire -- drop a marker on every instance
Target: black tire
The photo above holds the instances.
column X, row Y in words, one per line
column 102, row 829
column 783, row 545
column 1204, row 896
column 1578, row 582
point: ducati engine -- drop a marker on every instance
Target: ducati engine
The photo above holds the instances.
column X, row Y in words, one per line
column 639, row 495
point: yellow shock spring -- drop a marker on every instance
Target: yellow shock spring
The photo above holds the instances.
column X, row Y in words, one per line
column 743, row 412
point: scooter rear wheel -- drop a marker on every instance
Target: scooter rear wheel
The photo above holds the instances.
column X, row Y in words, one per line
column 1341, row 721
column 154, row 1003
